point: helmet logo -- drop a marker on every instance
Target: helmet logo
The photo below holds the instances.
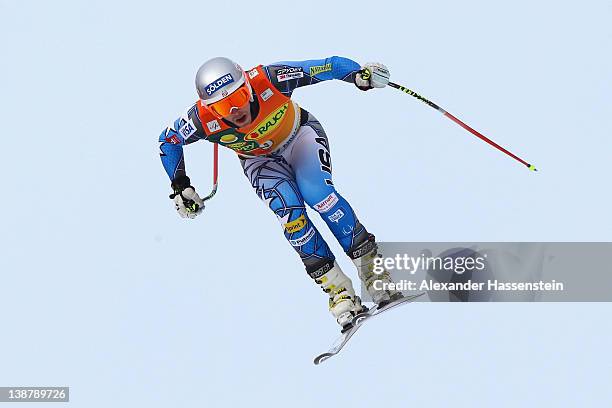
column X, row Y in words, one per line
column 219, row 83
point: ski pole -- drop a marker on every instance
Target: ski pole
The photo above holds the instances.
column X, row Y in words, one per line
column 463, row 125
column 215, row 172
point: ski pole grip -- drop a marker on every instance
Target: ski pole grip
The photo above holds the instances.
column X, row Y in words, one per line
column 365, row 74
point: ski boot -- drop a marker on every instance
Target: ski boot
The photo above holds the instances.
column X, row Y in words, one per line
column 343, row 303
column 363, row 258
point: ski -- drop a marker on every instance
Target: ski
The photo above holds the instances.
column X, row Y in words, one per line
column 358, row 321
column 337, row 345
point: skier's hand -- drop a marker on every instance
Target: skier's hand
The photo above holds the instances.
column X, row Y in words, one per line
column 372, row 75
column 186, row 201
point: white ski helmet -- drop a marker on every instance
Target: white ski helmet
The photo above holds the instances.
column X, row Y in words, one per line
column 218, row 78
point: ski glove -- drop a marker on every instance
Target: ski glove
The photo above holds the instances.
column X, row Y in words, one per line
column 372, row 75
column 186, row 201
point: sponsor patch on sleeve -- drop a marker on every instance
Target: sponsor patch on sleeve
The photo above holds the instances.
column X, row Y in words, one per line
column 171, row 136
column 187, row 129
column 319, row 69
column 173, row 139
column 286, row 74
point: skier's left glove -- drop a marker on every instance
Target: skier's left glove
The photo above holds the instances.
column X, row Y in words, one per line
column 187, row 202
column 372, row 75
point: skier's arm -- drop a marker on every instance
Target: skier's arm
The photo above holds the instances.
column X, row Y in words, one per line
column 185, row 130
column 289, row 75
column 171, row 153
column 187, row 201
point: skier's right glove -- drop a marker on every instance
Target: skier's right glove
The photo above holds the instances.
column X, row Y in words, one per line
column 187, row 202
column 372, row 75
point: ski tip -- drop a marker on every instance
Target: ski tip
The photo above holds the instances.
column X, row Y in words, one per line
column 319, row 359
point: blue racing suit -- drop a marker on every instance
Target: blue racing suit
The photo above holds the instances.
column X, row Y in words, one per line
column 298, row 173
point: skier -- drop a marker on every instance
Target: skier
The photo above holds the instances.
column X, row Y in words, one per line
column 285, row 155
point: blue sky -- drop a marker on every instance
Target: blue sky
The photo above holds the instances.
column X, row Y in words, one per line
column 105, row 289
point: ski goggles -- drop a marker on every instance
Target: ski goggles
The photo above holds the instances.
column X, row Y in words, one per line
column 237, row 99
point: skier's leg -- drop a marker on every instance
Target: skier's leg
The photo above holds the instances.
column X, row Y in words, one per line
column 274, row 182
column 311, row 160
